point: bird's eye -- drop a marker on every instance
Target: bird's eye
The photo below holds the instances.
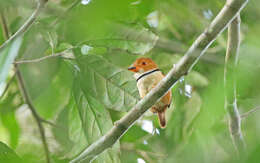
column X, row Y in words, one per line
column 143, row 63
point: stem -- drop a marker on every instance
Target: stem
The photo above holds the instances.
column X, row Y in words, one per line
column 4, row 25
column 44, row 58
column 20, row 78
column 37, row 118
column 230, row 85
column 198, row 48
column 64, row 14
column 246, row 114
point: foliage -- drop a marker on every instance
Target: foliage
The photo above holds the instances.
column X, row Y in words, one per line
column 87, row 89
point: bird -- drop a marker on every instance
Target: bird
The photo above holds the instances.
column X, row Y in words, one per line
column 148, row 75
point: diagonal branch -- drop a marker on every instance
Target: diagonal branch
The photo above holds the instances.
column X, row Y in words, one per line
column 4, row 25
column 61, row 54
column 27, row 24
column 198, row 48
column 230, row 85
column 23, row 90
column 36, row 116
column 246, row 114
column 65, row 13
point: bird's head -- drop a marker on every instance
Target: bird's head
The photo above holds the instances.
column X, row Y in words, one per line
column 142, row 65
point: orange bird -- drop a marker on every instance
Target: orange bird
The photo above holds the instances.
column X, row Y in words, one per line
column 148, row 75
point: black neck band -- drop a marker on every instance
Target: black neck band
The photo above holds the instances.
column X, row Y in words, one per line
column 147, row 73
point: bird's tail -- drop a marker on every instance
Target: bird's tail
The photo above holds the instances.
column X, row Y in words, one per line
column 161, row 117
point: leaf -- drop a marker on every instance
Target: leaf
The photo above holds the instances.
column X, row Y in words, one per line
column 61, row 131
column 165, row 60
column 69, row 132
column 56, row 94
column 1, row 37
column 8, row 119
column 192, row 110
column 7, row 155
column 109, row 85
column 7, row 4
column 135, row 40
column 139, row 39
column 8, row 105
column 7, row 57
column 67, row 2
column 196, row 79
column 37, row 76
column 96, row 122
column 133, row 134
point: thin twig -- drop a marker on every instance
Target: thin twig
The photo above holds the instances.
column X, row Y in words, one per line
column 230, row 85
column 37, row 118
column 20, row 80
column 26, row 25
column 183, row 67
column 246, row 114
column 51, row 123
column 48, row 122
column 41, row 59
column 4, row 25
column 65, row 12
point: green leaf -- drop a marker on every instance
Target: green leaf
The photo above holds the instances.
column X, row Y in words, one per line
column 96, row 122
column 61, row 131
column 69, row 132
column 8, row 119
column 109, row 85
column 196, row 79
column 7, row 155
column 165, row 61
column 1, row 37
column 7, row 4
column 133, row 40
column 59, row 89
column 133, row 134
column 37, row 76
column 7, row 57
column 192, row 110
column 139, row 39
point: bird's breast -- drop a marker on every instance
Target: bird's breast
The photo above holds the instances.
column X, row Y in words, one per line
column 146, row 83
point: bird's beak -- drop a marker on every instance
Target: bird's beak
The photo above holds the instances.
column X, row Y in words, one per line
column 133, row 69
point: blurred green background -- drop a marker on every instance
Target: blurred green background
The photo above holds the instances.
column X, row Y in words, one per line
column 88, row 88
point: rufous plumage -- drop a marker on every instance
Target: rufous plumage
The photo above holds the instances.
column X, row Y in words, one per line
column 148, row 75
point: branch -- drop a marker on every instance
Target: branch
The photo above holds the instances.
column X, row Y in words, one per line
column 18, row 74
column 246, row 114
column 26, row 25
column 51, row 123
column 44, row 58
column 37, row 118
column 4, row 25
column 230, row 85
column 198, row 48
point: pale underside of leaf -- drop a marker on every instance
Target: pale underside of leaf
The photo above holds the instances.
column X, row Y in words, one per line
column 7, row 57
column 110, row 85
column 96, row 121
